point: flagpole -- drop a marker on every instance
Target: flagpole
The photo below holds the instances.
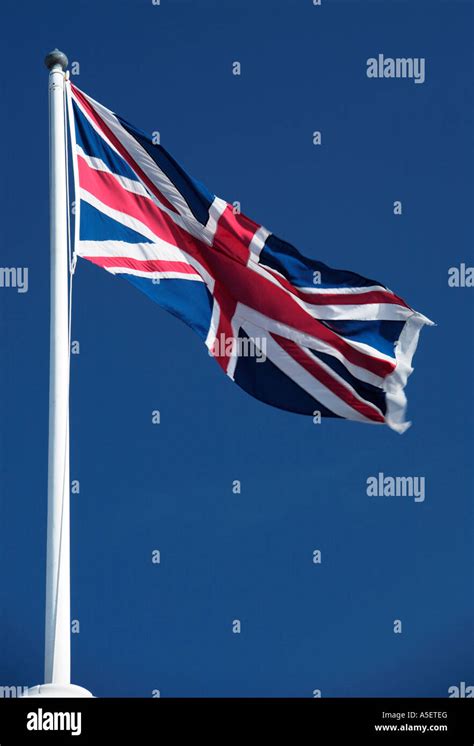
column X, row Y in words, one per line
column 57, row 669
column 58, row 617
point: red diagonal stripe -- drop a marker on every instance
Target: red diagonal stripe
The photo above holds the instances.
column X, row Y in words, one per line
column 338, row 299
column 123, row 152
column 107, row 188
column 321, row 374
column 145, row 265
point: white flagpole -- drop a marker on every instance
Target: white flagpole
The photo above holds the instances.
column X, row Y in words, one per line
column 58, row 615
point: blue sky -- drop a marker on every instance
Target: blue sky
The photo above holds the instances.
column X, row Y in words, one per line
column 304, row 626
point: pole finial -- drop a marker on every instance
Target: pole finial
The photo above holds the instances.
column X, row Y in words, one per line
column 56, row 58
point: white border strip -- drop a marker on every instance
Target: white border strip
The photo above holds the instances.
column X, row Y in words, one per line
column 395, row 383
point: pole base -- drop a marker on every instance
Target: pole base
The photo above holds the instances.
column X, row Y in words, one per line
column 58, row 690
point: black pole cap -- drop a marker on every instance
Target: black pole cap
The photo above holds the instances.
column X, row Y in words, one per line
column 56, row 58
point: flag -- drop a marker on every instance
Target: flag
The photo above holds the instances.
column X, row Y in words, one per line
column 289, row 330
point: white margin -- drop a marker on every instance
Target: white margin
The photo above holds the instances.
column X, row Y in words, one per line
column 394, row 383
column 77, row 195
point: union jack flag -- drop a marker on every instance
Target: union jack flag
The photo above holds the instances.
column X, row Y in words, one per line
column 326, row 341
